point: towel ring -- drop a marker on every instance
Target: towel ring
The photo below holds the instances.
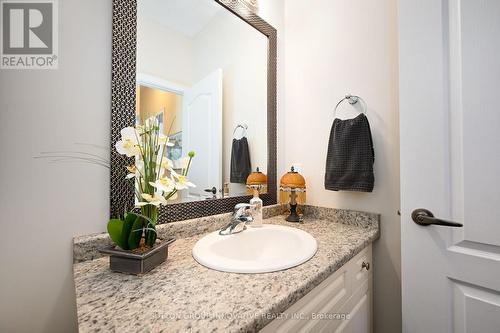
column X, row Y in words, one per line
column 244, row 128
column 352, row 99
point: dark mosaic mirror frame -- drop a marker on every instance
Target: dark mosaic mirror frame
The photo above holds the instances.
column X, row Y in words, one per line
column 123, row 94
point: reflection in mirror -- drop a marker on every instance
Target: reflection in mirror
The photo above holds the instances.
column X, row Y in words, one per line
column 202, row 71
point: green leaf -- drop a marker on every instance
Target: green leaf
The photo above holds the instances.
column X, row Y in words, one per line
column 115, row 229
column 135, row 236
column 127, row 229
column 150, row 222
column 151, row 237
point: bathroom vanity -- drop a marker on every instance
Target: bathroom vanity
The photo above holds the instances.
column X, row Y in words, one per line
column 182, row 295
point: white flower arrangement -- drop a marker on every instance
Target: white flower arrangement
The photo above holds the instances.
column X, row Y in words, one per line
column 155, row 180
column 152, row 174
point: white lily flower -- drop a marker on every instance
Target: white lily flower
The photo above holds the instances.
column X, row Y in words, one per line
column 155, row 200
column 135, row 170
column 174, row 174
column 166, row 164
column 128, row 144
column 164, row 184
column 132, row 169
column 183, row 183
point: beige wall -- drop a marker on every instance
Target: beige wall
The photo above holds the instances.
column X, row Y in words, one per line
column 332, row 48
column 153, row 101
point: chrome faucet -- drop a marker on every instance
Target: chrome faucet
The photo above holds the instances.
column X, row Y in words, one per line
column 241, row 216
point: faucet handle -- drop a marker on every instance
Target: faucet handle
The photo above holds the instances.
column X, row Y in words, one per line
column 240, row 208
column 242, row 205
column 239, row 219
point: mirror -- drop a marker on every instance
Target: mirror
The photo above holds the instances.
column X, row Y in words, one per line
column 202, row 72
column 239, row 51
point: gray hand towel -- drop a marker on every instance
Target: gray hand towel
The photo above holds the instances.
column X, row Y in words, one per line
column 240, row 161
column 349, row 163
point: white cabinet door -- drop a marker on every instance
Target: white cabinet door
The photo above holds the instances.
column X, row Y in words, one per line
column 360, row 317
column 341, row 303
column 359, row 309
column 450, row 163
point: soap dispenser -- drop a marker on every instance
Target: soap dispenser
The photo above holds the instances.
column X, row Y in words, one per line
column 256, row 181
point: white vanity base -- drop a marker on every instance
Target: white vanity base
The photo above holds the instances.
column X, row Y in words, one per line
column 341, row 303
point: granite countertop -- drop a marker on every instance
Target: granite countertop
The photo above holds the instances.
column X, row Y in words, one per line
column 183, row 296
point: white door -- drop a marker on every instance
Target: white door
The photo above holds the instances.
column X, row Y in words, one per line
column 202, row 133
column 450, row 164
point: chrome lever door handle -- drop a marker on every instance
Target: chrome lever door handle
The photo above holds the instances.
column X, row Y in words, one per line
column 424, row 217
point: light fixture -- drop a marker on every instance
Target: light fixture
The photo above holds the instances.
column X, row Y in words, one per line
column 293, row 191
column 257, row 182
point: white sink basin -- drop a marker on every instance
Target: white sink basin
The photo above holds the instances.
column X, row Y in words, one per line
column 263, row 249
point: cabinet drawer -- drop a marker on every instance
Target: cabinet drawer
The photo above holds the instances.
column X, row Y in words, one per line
column 327, row 299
